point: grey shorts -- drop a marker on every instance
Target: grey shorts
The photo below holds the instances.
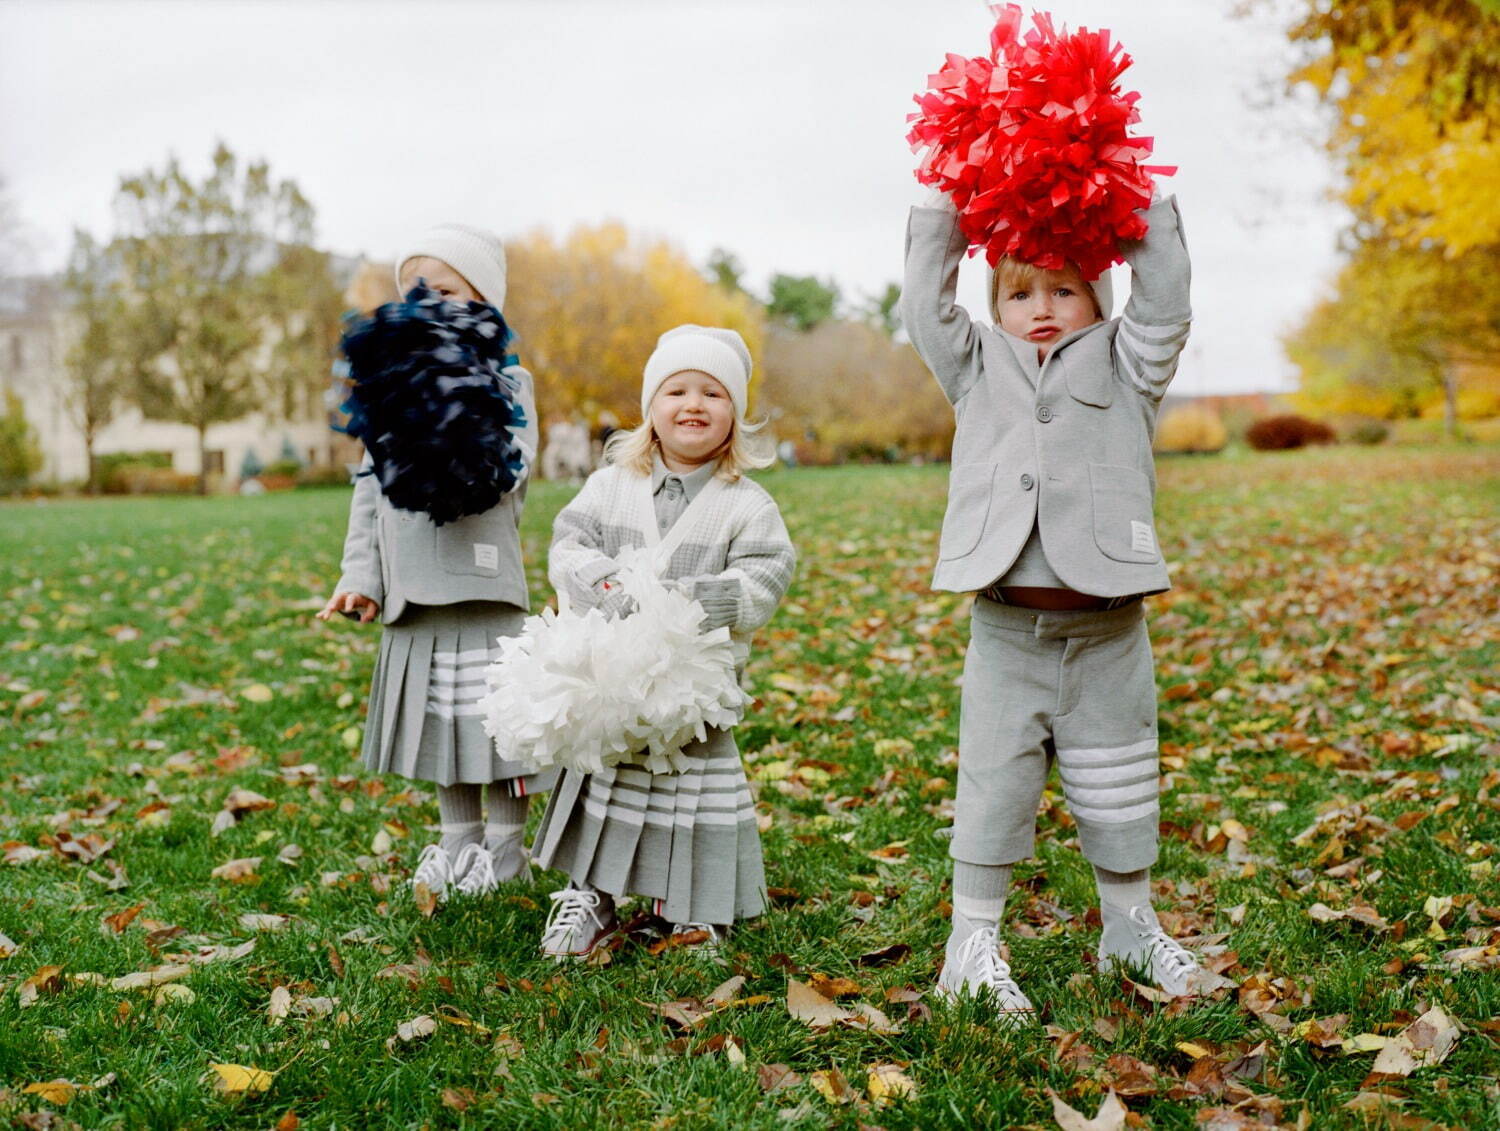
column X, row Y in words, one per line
column 1077, row 687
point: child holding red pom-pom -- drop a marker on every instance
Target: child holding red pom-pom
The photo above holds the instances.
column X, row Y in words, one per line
column 1049, row 524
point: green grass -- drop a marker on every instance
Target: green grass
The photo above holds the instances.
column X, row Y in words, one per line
column 1329, row 638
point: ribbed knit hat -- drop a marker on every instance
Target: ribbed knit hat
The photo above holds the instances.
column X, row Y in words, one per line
column 722, row 354
column 474, row 253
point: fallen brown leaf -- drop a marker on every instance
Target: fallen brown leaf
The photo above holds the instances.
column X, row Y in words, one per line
column 1426, row 1041
column 805, row 1004
column 1109, row 1117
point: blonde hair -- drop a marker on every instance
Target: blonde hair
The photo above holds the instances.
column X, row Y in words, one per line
column 1013, row 275
column 744, row 449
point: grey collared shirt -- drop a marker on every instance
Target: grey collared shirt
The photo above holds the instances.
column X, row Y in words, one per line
column 672, row 491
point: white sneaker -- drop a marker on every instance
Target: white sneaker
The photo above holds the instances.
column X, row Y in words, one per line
column 710, row 946
column 977, row 970
column 581, row 919
column 509, row 858
column 435, row 870
column 1136, row 939
column 475, row 869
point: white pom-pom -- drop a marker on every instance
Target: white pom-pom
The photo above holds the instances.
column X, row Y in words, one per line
column 582, row 691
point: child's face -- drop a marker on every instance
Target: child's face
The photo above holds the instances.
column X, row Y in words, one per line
column 1047, row 307
column 692, row 416
column 440, row 277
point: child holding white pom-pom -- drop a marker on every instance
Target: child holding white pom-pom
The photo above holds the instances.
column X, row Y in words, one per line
column 686, row 840
column 445, row 587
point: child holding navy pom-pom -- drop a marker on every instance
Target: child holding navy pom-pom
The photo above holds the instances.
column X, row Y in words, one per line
column 449, row 423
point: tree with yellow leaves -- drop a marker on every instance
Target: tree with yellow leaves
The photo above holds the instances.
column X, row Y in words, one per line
column 1415, row 90
column 1414, row 87
column 587, row 311
column 1405, row 328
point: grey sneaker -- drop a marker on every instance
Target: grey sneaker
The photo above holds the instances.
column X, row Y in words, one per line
column 435, row 870
column 581, row 919
column 475, row 869
column 685, row 935
column 975, row 969
column 509, row 858
column 1135, row 939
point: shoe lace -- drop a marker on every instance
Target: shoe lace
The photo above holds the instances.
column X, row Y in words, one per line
column 433, row 867
column 569, row 907
column 477, row 869
column 1168, row 956
column 981, row 952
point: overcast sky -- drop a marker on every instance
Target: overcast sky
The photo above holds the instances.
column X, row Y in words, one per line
column 773, row 129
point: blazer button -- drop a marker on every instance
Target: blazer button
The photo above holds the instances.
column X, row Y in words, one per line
column 1044, row 413
column 1027, row 482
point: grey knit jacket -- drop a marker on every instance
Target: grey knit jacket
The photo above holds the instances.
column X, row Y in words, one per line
column 396, row 556
column 1069, row 453
column 735, row 535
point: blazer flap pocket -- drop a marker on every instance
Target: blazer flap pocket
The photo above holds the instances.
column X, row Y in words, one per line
column 970, row 487
column 1088, row 368
column 1123, row 526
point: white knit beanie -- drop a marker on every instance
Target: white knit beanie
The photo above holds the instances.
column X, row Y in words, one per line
column 722, row 354
column 474, row 253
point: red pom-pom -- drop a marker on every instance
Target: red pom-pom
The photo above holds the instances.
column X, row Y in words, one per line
column 1033, row 146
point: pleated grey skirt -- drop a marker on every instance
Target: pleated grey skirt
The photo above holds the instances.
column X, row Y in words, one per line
column 688, row 841
column 425, row 721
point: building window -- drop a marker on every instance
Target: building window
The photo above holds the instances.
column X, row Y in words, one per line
column 213, row 462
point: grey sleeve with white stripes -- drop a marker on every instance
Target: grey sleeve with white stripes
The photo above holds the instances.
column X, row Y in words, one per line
column 1154, row 327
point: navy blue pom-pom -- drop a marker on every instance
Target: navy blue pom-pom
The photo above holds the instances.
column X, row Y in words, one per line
column 433, row 404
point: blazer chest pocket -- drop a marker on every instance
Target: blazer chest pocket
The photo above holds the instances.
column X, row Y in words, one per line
column 1123, row 526
column 476, row 545
column 970, row 486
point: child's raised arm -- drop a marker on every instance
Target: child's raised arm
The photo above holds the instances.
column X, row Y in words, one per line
column 1154, row 327
column 940, row 329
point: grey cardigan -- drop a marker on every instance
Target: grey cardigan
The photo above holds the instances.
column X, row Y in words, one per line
column 1067, row 451
column 395, row 556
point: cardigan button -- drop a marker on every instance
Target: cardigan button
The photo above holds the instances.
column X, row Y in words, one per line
column 1027, row 482
column 1044, row 413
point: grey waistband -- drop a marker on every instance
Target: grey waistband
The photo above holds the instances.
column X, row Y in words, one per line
column 1055, row 624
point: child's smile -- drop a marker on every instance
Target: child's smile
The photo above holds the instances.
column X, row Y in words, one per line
column 692, row 415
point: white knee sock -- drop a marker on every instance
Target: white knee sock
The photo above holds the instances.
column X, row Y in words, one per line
column 505, row 828
column 1120, row 891
column 460, row 817
column 978, row 898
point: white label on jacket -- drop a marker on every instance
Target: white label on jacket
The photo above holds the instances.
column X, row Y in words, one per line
column 486, row 556
column 1142, row 540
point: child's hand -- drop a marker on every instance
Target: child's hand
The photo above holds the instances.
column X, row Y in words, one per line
column 355, row 606
column 937, row 198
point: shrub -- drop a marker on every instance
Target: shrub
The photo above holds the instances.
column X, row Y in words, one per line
column 20, row 453
column 1369, row 432
column 146, row 479
column 329, row 475
column 1281, row 433
column 113, row 468
column 1191, row 428
column 251, row 466
column 287, row 468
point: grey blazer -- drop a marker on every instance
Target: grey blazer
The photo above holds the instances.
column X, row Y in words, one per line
column 1068, row 450
column 394, row 556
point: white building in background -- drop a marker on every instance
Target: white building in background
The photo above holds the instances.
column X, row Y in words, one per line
column 33, row 347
